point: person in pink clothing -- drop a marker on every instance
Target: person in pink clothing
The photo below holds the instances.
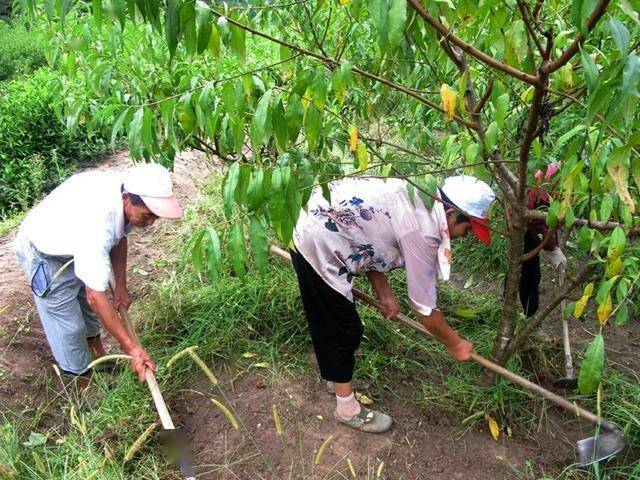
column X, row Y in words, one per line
column 537, row 231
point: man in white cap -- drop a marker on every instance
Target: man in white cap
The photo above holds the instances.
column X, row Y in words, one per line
column 372, row 226
column 69, row 244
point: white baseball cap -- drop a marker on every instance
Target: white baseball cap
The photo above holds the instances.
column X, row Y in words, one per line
column 474, row 198
column 152, row 182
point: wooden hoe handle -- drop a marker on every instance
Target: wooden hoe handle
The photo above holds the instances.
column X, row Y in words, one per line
column 562, row 402
column 158, row 400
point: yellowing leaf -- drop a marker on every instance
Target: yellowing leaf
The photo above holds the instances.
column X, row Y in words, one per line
column 449, row 97
column 493, row 427
column 363, row 156
column 604, row 310
column 261, row 365
column 363, row 399
column 614, row 267
column 353, row 137
column 582, row 303
column 344, row 2
column 249, row 354
column 618, row 168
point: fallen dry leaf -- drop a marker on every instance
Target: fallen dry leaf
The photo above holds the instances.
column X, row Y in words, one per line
column 363, row 399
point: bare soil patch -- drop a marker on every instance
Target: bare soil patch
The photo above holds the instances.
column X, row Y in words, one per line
column 422, row 444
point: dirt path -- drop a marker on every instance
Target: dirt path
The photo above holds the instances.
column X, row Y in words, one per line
column 25, row 357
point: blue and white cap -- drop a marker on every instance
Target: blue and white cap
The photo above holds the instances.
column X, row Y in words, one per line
column 474, row 198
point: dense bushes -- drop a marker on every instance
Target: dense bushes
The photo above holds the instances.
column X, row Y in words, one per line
column 21, row 50
column 36, row 150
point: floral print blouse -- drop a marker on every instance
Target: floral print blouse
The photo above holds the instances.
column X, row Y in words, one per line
column 371, row 224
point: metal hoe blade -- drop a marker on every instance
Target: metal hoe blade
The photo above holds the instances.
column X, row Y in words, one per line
column 174, row 442
column 566, row 383
column 603, row 446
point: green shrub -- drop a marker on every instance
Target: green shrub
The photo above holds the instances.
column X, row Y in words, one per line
column 36, row 150
column 21, row 50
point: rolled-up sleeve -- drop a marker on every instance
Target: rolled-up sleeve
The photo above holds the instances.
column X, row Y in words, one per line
column 420, row 254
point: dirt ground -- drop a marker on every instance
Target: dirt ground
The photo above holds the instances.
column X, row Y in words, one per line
column 422, row 444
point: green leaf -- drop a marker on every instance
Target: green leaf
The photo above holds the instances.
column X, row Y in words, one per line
column 96, row 6
column 606, row 207
column 319, row 90
column 134, row 134
column 591, row 368
column 584, row 238
column 243, row 184
column 237, row 250
column 620, row 35
column 214, row 41
column 204, row 21
column 117, row 126
column 259, row 244
column 147, row 128
column 501, row 109
column 255, row 193
column 196, row 250
column 471, row 153
column 427, row 186
column 237, row 43
column 188, row 25
column 229, row 98
column 35, row 440
column 580, row 12
column 491, row 136
column 397, row 22
column 617, row 244
column 378, row 9
column 280, row 126
column 622, row 315
column 312, row 126
column 590, row 69
column 230, row 185
column 631, row 76
column 293, row 117
column 260, row 130
column 214, row 254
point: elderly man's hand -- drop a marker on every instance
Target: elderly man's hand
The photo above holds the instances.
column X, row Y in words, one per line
column 140, row 361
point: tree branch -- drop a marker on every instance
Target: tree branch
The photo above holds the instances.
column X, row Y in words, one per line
column 602, row 226
column 528, row 24
column 585, row 271
column 470, row 49
column 563, row 59
column 485, row 97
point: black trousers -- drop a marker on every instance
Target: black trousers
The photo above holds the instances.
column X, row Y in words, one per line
column 336, row 329
column 530, row 279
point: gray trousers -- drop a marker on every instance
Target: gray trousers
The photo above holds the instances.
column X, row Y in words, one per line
column 66, row 317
